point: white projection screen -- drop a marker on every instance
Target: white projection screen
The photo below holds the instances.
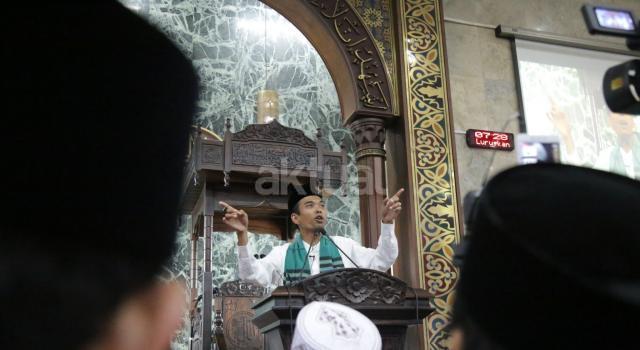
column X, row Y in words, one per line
column 561, row 91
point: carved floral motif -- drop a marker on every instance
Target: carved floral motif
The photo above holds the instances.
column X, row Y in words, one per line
column 273, row 131
column 356, row 286
column 211, row 154
column 255, row 153
column 240, row 289
column 368, row 132
column 244, row 332
column 431, row 143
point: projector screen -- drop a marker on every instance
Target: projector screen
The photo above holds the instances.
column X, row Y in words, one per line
column 561, row 91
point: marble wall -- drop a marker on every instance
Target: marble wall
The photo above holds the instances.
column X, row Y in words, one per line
column 238, row 48
column 481, row 68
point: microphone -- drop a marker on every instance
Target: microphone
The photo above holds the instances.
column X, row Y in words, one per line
column 282, row 278
column 323, row 232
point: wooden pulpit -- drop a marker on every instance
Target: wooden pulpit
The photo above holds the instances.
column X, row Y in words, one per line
column 386, row 300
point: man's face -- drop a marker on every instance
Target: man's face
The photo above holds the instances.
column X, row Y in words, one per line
column 313, row 214
column 622, row 124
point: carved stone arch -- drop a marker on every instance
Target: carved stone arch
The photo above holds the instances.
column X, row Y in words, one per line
column 348, row 50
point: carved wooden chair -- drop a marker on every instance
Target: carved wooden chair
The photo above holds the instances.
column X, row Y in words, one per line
column 233, row 329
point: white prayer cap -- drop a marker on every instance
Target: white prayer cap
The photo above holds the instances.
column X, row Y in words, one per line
column 323, row 325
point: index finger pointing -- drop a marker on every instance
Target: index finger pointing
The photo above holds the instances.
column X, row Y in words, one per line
column 398, row 193
column 227, row 206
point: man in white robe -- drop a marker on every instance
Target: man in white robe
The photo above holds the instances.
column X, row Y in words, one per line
column 624, row 156
column 308, row 212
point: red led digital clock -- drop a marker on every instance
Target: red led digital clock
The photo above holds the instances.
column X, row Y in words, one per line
column 501, row 141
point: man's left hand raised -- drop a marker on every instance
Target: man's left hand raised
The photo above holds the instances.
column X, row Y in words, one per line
column 392, row 207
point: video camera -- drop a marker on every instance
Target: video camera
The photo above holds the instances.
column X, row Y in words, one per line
column 621, row 83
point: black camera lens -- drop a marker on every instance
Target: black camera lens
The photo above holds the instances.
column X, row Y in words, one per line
column 620, row 86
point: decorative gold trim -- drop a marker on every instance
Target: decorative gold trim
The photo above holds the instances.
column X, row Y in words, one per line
column 210, row 133
column 394, row 62
column 408, row 113
column 431, row 142
column 370, row 152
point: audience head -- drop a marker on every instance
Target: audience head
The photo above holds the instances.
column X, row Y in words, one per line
column 99, row 105
column 330, row 326
column 552, row 261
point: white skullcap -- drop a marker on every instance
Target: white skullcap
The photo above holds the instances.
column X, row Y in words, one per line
column 323, row 325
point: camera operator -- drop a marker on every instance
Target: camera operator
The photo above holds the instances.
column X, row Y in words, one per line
column 551, row 262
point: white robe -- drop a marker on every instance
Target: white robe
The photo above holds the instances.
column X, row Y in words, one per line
column 269, row 270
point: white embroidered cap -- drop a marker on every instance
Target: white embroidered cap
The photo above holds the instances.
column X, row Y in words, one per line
column 323, row 325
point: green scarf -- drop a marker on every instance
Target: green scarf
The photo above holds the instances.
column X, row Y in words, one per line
column 295, row 268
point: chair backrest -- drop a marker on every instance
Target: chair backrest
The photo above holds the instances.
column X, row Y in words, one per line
column 233, row 314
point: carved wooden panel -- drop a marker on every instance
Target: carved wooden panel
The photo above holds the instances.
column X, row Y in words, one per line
column 212, row 154
column 355, row 286
column 369, row 132
column 265, row 155
column 239, row 332
column 273, row 132
column 233, row 302
column 240, row 289
column 394, row 338
column 279, row 156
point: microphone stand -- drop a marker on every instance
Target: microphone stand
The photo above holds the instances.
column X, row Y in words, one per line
column 324, row 233
column 306, row 258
